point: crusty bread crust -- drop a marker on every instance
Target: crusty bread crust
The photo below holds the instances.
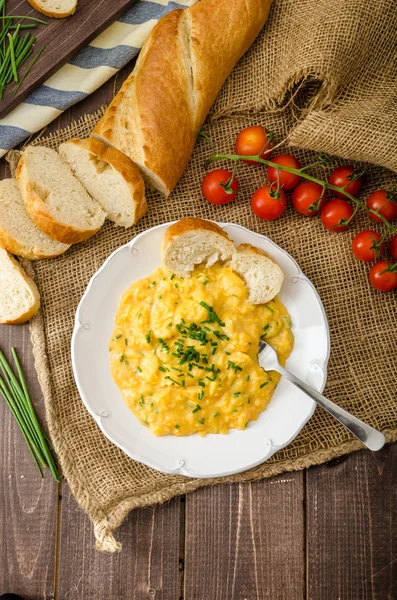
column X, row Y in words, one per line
column 157, row 114
column 14, row 247
column 38, row 212
column 35, row 293
column 186, row 225
column 124, row 165
column 37, row 6
column 249, row 249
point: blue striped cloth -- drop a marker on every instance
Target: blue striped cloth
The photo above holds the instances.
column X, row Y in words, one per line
column 87, row 71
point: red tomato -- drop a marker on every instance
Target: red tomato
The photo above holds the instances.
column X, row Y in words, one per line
column 213, row 187
column 251, row 140
column 267, row 203
column 287, row 180
column 306, row 198
column 366, row 246
column 381, row 278
column 341, row 176
column 335, row 213
column 383, row 202
column 393, row 246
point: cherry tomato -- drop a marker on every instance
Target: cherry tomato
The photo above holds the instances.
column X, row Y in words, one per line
column 251, row 140
column 393, row 246
column 366, row 246
column 306, row 198
column 341, row 176
column 267, row 203
column 213, row 187
column 383, row 202
column 382, row 279
column 287, row 180
column 335, row 213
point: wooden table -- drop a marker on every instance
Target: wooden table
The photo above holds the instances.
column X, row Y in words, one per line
column 329, row 533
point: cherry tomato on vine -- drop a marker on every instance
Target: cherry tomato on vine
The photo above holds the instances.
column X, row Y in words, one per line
column 383, row 202
column 382, row 277
column 268, row 203
column 214, row 184
column 308, row 198
column 366, row 245
column 287, row 180
column 251, row 140
column 393, row 246
column 341, row 176
column 335, row 213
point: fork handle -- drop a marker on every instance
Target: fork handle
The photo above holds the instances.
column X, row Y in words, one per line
column 373, row 439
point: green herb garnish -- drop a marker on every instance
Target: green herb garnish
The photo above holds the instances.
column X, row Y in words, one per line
column 212, row 316
column 198, row 407
column 263, row 385
column 15, row 393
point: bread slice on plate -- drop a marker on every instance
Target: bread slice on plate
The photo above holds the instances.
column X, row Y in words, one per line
column 18, row 234
column 261, row 274
column 56, row 201
column 109, row 176
column 190, row 242
column 55, row 8
column 19, row 296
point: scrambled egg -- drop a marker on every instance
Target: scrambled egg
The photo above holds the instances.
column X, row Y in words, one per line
column 184, row 351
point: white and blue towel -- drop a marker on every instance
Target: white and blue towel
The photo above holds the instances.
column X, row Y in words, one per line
column 85, row 72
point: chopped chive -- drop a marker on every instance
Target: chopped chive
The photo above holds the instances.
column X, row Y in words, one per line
column 118, row 336
column 162, row 369
column 266, row 327
column 183, row 383
column 216, row 414
column 176, row 426
column 141, row 401
column 198, row 407
column 147, row 336
column 173, row 380
column 122, row 358
column 201, row 421
column 126, row 342
column 237, row 393
column 139, row 369
column 200, row 395
column 247, row 378
column 249, row 401
column 228, row 353
column 268, row 308
column 263, row 385
column 172, row 276
column 245, row 426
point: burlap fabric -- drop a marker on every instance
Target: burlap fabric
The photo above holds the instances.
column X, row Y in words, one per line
column 322, row 77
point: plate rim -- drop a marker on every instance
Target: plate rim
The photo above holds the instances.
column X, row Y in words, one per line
column 272, row 448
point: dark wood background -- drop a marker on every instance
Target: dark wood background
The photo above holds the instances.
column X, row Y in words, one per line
column 91, row 18
column 328, row 533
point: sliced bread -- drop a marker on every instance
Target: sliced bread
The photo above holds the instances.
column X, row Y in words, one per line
column 190, row 242
column 261, row 274
column 109, row 176
column 55, row 8
column 19, row 296
column 18, row 233
column 56, row 201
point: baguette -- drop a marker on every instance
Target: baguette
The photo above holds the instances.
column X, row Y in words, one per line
column 157, row 114
column 109, row 176
column 261, row 274
column 19, row 296
column 55, row 8
column 190, row 242
column 18, row 234
column 55, row 200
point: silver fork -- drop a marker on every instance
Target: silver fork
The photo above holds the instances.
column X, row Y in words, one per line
column 373, row 439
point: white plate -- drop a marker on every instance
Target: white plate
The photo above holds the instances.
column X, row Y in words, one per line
column 194, row 456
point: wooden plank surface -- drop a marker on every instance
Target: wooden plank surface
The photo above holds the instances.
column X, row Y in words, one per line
column 28, row 504
column 147, row 567
column 62, row 39
column 352, row 528
column 246, row 541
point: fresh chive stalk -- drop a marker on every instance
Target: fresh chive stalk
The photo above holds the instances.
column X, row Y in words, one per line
column 16, row 395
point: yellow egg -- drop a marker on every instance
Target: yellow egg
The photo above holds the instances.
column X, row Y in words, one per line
column 184, row 351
